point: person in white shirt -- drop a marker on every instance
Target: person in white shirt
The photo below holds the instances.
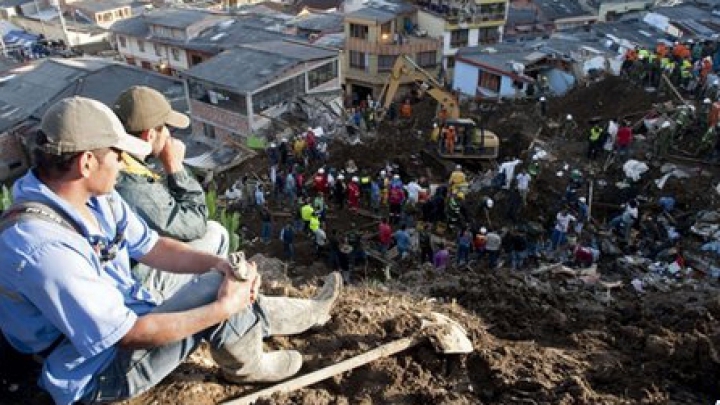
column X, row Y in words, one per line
column 626, row 220
column 523, row 184
column 562, row 223
column 413, row 190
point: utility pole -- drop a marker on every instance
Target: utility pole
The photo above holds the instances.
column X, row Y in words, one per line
column 56, row 4
column 42, row 23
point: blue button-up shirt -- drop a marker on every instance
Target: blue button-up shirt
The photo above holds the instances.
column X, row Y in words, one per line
column 53, row 284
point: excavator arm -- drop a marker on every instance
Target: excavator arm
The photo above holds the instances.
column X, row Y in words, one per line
column 406, row 67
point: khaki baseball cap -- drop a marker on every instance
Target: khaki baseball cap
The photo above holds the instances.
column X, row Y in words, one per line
column 141, row 108
column 78, row 124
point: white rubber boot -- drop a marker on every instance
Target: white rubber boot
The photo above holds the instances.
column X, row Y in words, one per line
column 245, row 362
column 290, row 316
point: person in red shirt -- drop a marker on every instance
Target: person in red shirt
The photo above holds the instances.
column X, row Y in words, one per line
column 320, row 182
column 624, row 139
column 384, row 235
column 353, row 190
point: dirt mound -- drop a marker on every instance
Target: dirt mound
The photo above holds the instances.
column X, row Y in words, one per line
column 537, row 340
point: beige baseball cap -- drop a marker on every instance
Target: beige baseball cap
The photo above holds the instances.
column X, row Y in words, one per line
column 78, row 124
column 141, row 108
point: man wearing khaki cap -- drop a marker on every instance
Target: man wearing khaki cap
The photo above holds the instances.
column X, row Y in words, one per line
column 169, row 199
column 67, row 293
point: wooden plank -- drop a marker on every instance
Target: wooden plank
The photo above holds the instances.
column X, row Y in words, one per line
column 385, row 350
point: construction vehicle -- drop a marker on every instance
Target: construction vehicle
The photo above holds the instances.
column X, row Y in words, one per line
column 472, row 142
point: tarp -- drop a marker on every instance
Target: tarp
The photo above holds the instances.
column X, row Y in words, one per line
column 19, row 38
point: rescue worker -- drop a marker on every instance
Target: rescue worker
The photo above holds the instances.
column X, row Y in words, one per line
column 320, row 182
column 595, row 140
column 396, row 198
column 406, row 109
column 353, row 193
column 450, row 140
column 457, row 179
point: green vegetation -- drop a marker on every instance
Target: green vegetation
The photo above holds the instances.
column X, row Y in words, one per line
column 5, row 198
column 229, row 220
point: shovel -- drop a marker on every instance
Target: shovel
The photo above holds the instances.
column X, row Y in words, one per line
column 446, row 335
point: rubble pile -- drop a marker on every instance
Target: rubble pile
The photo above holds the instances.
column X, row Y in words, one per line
column 639, row 325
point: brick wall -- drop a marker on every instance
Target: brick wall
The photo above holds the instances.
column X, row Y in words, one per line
column 225, row 122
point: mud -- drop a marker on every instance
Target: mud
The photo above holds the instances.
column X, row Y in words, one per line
column 538, row 338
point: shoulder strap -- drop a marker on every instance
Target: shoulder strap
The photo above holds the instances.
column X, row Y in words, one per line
column 33, row 209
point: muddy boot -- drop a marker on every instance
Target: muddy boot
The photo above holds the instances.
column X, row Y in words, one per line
column 290, row 316
column 244, row 361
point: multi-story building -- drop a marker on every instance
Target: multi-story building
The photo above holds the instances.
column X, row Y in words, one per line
column 461, row 24
column 375, row 36
column 233, row 94
column 171, row 41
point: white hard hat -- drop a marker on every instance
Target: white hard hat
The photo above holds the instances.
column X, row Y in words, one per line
column 458, row 167
column 707, row 101
column 310, row 129
column 383, row 172
column 483, row 230
column 542, row 98
column 355, row 179
column 569, row 117
column 489, row 203
column 321, row 170
column 396, row 176
column 582, row 200
column 341, row 177
column 272, row 144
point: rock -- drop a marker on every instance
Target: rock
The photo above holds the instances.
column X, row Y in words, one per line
column 658, row 347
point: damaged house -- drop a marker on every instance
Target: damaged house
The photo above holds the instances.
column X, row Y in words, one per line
column 240, row 91
column 25, row 96
column 552, row 66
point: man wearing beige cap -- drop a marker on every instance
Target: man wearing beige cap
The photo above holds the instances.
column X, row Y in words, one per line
column 169, row 199
column 67, row 293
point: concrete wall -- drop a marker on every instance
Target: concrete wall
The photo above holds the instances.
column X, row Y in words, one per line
column 466, row 78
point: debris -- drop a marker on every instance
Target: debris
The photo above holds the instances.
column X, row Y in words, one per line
column 634, row 169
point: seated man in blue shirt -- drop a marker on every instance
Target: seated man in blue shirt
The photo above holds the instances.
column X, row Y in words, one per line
column 69, row 294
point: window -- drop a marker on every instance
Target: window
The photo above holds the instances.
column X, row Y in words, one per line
column 322, row 74
column 357, row 60
column 450, row 62
column 278, row 94
column 141, row 45
column 386, row 62
column 122, row 41
column 196, row 60
column 156, row 47
column 489, row 81
column 458, row 38
column 208, row 130
column 175, row 54
column 358, row 31
column 427, row 59
column 488, row 35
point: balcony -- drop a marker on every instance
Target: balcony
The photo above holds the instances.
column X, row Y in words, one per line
column 453, row 22
column 409, row 45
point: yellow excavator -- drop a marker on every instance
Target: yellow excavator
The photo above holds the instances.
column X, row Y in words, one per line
column 472, row 142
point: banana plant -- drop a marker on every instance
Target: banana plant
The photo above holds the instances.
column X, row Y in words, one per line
column 6, row 199
column 231, row 222
column 211, row 203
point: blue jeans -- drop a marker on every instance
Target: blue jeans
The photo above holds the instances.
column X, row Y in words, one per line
column 266, row 231
column 462, row 254
column 216, row 240
column 557, row 239
column 133, row 372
